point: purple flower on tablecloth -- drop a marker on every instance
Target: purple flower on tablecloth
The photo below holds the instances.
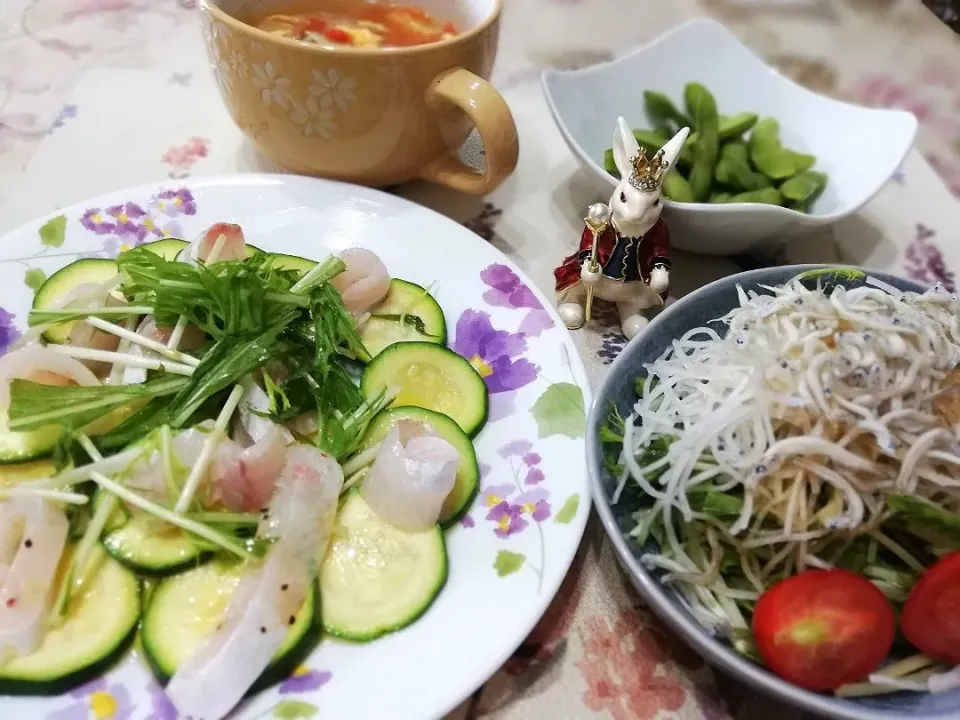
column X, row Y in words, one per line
column 483, row 223
column 8, row 330
column 93, row 219
column 174, row 202
column 66, row 112
column 507, row 290
column 923, row 260
column 496, row 355
column 160, row 706
column 99, row 700
column 304, row 679
column 611, row 346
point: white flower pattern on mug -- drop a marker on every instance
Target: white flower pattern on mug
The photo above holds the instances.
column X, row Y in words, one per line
column 274, row 88
column 333, row 89
column 237, row 62
column 312, row 118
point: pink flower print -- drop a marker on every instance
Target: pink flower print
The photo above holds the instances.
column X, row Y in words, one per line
column 507, row 290
column 303, row 680
column 97, row 700
column 183, row 157
column 948, row 171
column 535, row 503
column 532, row 458
column 924, row 262
column 161, row 707
column 884, row 91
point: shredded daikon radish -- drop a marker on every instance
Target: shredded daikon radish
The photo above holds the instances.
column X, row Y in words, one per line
column 788, row 426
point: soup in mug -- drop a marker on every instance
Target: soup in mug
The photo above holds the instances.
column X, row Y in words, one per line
column 354, row 23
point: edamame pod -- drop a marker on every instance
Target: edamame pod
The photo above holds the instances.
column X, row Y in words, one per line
column 736, row 125
column 662, row 112
column 767, row 196
column 733, row 168
column 770, row 157
column 677, row 188
column 703, row 109
column 720, row 197
column 802, row 189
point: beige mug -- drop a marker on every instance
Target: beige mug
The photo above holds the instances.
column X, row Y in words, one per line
column 373, row 116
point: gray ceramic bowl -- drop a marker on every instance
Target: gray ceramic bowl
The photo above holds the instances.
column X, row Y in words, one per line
column 694, row 310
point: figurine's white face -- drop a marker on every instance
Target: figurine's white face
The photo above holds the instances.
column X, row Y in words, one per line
column 635, row 211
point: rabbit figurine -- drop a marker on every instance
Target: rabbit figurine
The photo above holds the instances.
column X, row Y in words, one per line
column 624, row 254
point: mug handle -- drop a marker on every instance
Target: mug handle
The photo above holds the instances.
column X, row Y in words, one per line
column 489, row 112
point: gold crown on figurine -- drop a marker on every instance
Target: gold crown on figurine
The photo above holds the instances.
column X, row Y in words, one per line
column 647, row 174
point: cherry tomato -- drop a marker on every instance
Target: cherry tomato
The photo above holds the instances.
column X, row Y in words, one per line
column 823, row 628
column 337, row 35
column 931, row 617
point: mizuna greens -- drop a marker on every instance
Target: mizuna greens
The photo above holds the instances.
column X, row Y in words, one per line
column 198, row 406
column 811, row 428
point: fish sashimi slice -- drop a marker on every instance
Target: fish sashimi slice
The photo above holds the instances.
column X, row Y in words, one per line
column 27, row 585
column 300, row 519
column 410, row 479
column 41, row 365
column 245, row 479
column 234, row 248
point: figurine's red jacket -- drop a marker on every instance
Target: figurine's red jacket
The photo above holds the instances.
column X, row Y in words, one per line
column 652, row 249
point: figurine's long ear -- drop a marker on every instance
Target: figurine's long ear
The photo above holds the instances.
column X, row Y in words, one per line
column 625, row 147
column 671, row 151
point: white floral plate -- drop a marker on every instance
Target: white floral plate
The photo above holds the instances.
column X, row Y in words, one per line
column 509, row 553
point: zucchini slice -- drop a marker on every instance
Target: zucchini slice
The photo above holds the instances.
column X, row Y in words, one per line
column 97, row 628
column 432, row 377
column 168, row 248
column 153, row 547
column 18, row 447
column 376, row 579
column 395, row 319
column 468, row 472
column 87, row 270
column 185, row 609
column 290, row 262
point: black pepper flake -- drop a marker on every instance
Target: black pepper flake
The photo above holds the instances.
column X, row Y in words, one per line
column 292, row 620
column 263, row 630
column 284, row 587
column 28, row 543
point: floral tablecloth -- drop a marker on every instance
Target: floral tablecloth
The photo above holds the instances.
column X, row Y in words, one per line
column 96, row 95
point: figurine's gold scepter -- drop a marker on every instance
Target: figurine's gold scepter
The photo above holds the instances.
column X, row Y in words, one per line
column 597, row 219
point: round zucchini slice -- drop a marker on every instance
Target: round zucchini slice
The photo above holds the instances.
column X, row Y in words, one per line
column 185, row 609
column 375, row 578
column 87, row 270
column 18, row 447
column 468, row 472
column 408, row 313
column 98, row 626
column 151, row 546
column 431, row 377
column 168, row 248
column 290, row 262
